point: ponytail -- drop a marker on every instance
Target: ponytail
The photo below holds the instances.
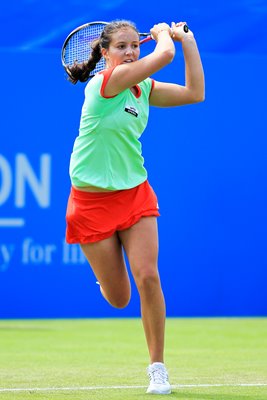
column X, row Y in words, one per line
column 81, row 71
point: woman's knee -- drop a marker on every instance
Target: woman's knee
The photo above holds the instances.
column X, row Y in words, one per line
column 118, row 299
column 147, row 278
column 121, row 302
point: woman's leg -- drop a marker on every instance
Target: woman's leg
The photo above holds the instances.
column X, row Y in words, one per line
column 106, row 259
column 141, row 245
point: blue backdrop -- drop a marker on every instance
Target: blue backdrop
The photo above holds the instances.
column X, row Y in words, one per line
column 207, row 163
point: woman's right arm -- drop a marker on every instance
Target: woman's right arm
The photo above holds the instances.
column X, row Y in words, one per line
column 128, row 75
column 193, row 91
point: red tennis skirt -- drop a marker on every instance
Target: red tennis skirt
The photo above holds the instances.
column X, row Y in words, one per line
column 94, row 216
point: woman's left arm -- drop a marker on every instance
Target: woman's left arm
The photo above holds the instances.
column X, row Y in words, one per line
column 171, row 94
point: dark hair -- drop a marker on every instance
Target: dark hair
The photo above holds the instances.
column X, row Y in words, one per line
column 80, row 72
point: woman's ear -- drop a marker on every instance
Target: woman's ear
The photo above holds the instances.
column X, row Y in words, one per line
column 104, row 53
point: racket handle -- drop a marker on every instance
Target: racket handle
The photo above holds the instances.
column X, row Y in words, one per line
column 186, row 29
column 149, row 37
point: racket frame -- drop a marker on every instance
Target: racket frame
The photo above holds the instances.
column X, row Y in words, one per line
column 66, row 41
column 146, row 38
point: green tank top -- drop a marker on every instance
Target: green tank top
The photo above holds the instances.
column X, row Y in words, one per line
column 107, row 152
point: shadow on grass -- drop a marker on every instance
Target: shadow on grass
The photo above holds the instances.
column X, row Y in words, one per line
column 181, row 395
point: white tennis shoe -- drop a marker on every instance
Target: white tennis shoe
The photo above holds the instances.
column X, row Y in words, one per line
column 159, row 379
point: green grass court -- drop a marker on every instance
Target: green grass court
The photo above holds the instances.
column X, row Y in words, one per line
column 208, row 359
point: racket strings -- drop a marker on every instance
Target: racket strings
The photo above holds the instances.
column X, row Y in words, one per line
column 78, row 49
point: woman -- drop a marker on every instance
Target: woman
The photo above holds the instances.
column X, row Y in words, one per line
column 111, row 205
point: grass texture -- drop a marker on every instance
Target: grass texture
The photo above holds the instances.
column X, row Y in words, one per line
column 78, row 359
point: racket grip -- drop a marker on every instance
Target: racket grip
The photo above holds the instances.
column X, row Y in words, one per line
column 149, row 37
column 186, row 29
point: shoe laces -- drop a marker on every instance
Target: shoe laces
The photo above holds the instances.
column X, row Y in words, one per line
column 158, row 374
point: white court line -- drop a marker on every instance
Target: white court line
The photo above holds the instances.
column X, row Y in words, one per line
column 85, row 388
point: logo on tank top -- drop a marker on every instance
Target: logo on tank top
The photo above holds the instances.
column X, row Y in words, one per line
column 131, row 110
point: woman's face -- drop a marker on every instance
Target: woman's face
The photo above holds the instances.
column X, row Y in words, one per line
column 123, row 48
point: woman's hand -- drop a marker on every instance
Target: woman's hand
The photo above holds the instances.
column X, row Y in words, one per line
column 158, row 28
column 178, row 33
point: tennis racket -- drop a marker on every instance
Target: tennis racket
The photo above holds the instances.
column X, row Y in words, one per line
column 77, row 46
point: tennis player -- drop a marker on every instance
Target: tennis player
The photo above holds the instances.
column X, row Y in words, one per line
column 112, row 206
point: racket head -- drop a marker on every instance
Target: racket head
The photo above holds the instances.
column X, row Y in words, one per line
column 77, row 46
